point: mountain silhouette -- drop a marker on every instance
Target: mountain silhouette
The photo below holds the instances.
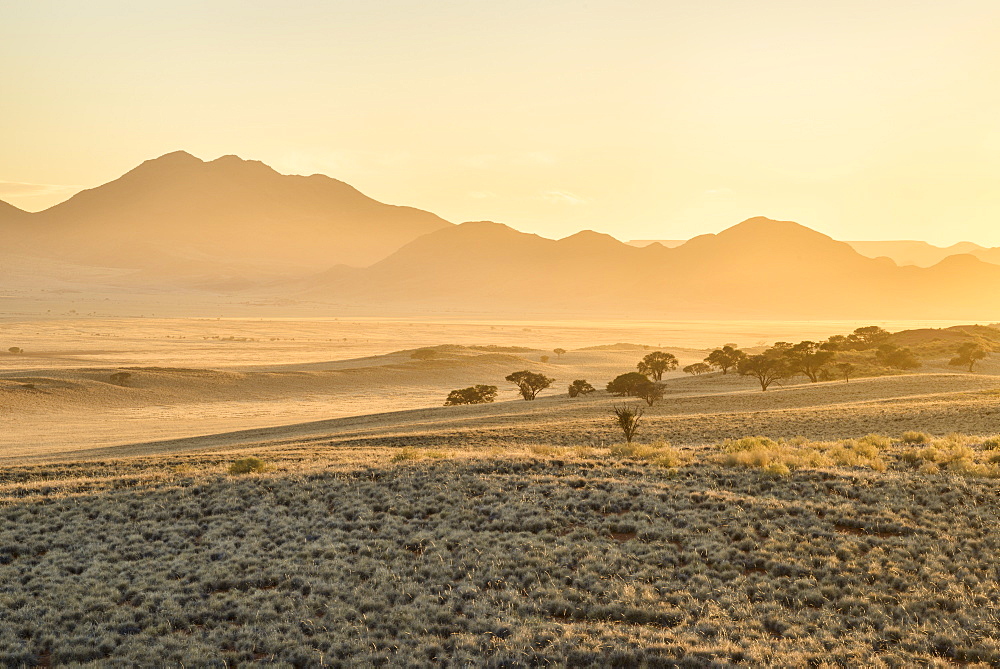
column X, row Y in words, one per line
column 760, row 268
column 901, row 252
column 179, row 215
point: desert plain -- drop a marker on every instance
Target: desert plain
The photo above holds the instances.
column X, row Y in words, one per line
column 816, row 524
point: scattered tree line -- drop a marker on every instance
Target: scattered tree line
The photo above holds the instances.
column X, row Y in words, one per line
column 817, row 361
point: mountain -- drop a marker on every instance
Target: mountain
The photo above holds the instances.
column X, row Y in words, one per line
column 760, row 268
column 921, row 254
column 902, row 252
column 221, row 220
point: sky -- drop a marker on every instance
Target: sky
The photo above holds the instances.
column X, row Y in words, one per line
column 644, row 120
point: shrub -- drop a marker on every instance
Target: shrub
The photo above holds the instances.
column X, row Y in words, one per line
column 472, row 395
column 15, row 350
column 580, row 387
column 247, row 466
column 627, row 417
column 912, row 437
column 120, row 378
column 697, row 369
column 544, row 358
column 628, row 384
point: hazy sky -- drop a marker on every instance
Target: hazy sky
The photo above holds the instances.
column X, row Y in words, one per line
column 865, row 120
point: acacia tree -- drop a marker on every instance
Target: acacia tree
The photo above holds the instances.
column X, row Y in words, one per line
column 867, row 337
column 651, row 391
column 529, row 383
column 627, row 417
column 697, row 369
column 968, row 354
column 654, row 364
column 846, row 369
column 891, row 355
column 627, row 384
column 725, row 358
column 766, row 367
column 580, row 387
column 559, row 352
column 808, row 358
column 472, row 395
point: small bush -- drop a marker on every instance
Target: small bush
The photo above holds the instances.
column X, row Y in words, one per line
column 247, row 466
column 915, row 437
column 991, row 443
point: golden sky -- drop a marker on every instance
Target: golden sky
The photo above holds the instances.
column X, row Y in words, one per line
column 661, row 119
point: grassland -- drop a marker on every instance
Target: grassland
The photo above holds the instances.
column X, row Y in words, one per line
column 524, row 555
column 816, row 524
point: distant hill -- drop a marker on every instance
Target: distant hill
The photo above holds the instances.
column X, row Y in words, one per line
column 223, row 220
column 760, row 268
column 902, row 252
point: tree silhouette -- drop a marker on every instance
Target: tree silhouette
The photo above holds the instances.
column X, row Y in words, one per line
column 725, row 358
column 968, row 354
column 580, row 387
column 766, row 367
column 627, row 384
column 627, row 418
column 559, row 352
column 808, row 358
column 654, row 364
column 697, row 369
column 867, row 337
column 472, row 395
column 529, row 383
column 891, row 355
column 845, row 369
column 651, row 391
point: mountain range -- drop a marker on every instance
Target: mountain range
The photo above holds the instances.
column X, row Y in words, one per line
column 237, row 227
column 901, row 252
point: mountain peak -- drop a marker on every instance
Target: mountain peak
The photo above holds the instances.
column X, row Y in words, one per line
column 176, row 157
column 591, row 241
column 759, row 225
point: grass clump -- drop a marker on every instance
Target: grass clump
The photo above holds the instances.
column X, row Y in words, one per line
column 862, row 452
column 954, row 455
column 777, row 457
column 783, row 456
column 911, row 437
column 991, row 443
column 659, row 453
column 247, row 466
column 409, row 453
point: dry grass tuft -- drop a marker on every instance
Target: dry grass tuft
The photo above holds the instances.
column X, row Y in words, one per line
column 912, row 437
column 247, row 466
column 783, row 456
column 659, row 453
